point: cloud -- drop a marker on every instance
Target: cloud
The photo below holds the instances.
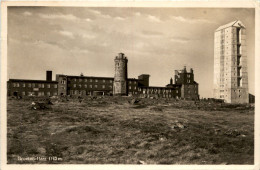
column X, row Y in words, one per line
column 88, row 36
column 152, row 33
column 67, row 34
column 154, row 18
column 98, row 13
column 94, row 11
column 137, row 14
column 191, row 20
column 26, row 13
column 88, row 20
column 120, row 18
column 177, row 39
column 58, row 16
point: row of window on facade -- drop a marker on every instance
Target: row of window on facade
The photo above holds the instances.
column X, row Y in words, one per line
column 32, row 85
column 82, row 92
column 38, row 93
column 222, row 91
column 91, row 86
column 156, row 90
column 194, row 92
column 188, row 81
column 95, row 80
column 91, row 80
column 222, row 96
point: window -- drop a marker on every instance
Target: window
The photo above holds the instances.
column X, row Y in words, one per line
column 29, row 85
column 95, row 86
column 39, row 85
column 86, row 80
column 130, row 82
column 111, row 81
column 135, row 87
column 55, row 86
column 48, row 86
column 42, row 85
column 33, row 85
column 55, row 93
column 90, row 80
column 135, row 82
column 90, row 86
column 23, row 85
column 48, row 93
column 104, row 81
column 80, row 80
column 110, row 87
column 23, row 93
column 103, row 86
column 74, row 85
column 96, row 80
column 86, row 86
column 79, row 85
column 14, row 84
column 129, row 87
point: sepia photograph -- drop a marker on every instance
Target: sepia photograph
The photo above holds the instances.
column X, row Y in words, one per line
column 130, row 85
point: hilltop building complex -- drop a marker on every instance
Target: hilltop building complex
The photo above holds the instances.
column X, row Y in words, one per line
column 184, row 87
column 230, row 63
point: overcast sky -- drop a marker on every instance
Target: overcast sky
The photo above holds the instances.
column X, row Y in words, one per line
column 156, row 41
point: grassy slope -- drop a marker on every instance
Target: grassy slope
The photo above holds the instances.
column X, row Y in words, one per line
column 112, row 131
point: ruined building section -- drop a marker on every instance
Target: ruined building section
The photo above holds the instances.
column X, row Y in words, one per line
column 120, row 78
column 230, row 63
column 189, row 88
column 62, row 84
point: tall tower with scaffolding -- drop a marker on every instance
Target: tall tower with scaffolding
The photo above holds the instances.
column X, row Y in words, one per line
column 230, row 63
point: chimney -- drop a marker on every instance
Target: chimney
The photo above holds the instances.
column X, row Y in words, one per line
column 191, row 70
column 184, row 70
column 171, row 80
column 48, row 75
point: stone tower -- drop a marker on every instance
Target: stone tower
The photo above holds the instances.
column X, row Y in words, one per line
column 230, row 63
column 120, row 79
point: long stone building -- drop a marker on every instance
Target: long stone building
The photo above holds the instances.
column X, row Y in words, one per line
column 184, row 87
column 230, row 63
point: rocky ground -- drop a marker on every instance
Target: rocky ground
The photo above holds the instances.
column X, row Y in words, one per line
column 126, row 130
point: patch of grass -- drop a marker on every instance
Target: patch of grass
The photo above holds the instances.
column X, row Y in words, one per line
column 111, row 130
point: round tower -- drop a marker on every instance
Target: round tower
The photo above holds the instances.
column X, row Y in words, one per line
column 120, row 79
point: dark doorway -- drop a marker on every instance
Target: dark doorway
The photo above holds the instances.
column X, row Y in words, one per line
column 15, row 93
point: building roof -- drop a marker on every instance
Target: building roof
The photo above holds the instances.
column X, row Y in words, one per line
column 236, row 23
column 31, row 81
column 155, row 87
column 93, row 77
